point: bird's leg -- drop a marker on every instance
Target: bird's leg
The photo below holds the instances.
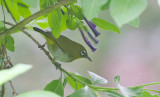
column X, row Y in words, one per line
column 42, row 46
column 56, row 64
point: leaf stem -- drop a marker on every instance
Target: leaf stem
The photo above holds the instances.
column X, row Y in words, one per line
column 149, row 84
column 152, row 90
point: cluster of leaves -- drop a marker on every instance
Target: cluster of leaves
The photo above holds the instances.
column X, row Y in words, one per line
column 83, row 86
column 72, row 16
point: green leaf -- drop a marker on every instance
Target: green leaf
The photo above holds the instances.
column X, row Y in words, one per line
column 63, row 23
column 147, row 94
column 97, row 79
column 85, row 92
column 97, row 93
column 32, row 3
column 10, row 43
column 65, row 81
column 55, row 86
column 13, row 72
column 13, row 9
column 38, row 94
column 135, row 22
column 8, row 40
column 124, row 11
column 23, row 9
column 1, row 24
column 113, row 94
column 42, row 24
column 105, row 25
column 128, row 92
column 91, row 8
column 106, row 6
column 72, row 83
column 46, row 3
column 3, row 29
column 71, row 24
column 77, row 11
column 54, row 20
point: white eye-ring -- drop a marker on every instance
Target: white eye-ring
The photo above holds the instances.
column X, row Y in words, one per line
column 83, row 53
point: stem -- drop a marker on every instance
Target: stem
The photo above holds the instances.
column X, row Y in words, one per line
column 152, row 90
column 9, row 11
column 2, row 91
column 149, row 84
column 45, row 11
column 14, row 93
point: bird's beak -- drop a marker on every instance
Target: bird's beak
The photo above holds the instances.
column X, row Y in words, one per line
column 88, row 58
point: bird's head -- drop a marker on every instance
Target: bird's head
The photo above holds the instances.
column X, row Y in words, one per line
column 83, row 53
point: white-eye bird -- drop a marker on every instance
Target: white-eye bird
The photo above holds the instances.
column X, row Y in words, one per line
column 63, row 49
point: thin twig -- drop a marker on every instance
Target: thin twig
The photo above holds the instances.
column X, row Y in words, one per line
column 9, row 11
column 2, row 91
column 14, row 93
column 3, row 11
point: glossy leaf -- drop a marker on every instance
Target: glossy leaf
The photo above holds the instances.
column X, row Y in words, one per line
column 105, row 25
column 72, row 83
column 54, row 20
column 13, row 72
column 77, row 11
column 113, row 94
column 124, row 11
column 135, row 22
column 128, row 92
column 23, row 9
column 32, row 3
column 55, row 86
column 39, row 94
column 97, row 79
column 91, row 8
column 42, row 24
column 13, row 9
column 85, row 92
column 71, row 24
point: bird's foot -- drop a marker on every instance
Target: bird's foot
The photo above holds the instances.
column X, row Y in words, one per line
column 42, row 46
column 57, row 65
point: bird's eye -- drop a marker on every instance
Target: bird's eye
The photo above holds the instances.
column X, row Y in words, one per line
column 83, row 52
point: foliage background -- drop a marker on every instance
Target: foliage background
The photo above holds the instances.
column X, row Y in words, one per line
column 134, row 55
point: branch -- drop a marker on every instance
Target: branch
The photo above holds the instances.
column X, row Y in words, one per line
column 42, row 12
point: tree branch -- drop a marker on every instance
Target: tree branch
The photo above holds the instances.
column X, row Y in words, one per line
column 42, row 12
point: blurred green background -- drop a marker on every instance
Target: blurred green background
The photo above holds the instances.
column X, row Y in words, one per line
column 134, row 55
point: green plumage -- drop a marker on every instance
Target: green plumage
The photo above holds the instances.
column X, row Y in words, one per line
column 63, row 49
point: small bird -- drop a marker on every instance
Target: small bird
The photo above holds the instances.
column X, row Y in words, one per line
column 63, row 49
